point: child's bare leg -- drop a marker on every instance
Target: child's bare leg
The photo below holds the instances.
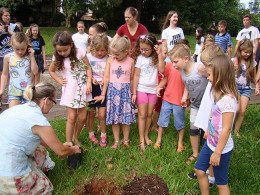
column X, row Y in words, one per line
column 159, row 136
column 102, row 119
column 71, row 122
column 116, row 132
column 203, row 181
column 81, row 120
column 148, row 123
column 155, row 119
column 223, row 189
column 91, row 119
column 142, row 115
column 194, row 140
column 126, row 132
column 37, row 78
column 241, row 113
column 181, row 136
column 14, row 103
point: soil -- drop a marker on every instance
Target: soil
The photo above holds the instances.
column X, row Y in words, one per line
column 97, row 187
column 147, row 185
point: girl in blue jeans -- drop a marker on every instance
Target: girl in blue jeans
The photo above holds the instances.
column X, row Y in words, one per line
column 219, row 146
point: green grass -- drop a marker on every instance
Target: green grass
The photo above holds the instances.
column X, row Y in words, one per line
column 244, row 171
column 48, row 33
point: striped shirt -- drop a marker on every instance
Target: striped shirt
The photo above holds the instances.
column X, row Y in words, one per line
column 224, row 41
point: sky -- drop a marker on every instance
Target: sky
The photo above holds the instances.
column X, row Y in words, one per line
column 246, row 2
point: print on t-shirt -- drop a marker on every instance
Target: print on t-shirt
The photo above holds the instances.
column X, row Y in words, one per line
column 175, row 38
column 246, row 34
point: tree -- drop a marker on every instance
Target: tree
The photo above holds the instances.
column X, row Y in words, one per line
column 73, row 9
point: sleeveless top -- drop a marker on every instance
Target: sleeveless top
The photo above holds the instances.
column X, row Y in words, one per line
column 120, row 72
column 20, row 74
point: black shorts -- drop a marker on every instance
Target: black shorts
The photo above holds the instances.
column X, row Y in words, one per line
column 96, row 91
column 39, row 61
column 1, row 64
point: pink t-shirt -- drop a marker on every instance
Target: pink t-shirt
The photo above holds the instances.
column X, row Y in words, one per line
column 120, row 72
column 123, row 30
column 175, row 86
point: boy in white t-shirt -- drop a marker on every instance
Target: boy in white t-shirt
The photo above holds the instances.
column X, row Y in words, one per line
column 249, row 32
column 80, row 38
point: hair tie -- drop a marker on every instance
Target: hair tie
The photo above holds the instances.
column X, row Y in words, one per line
column 33, row 88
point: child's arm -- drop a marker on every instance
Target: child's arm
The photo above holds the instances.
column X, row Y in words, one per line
column 227, row 120
column 132, row 74
column 5, row 74
column 106, row 80
column 53, row 74
column 203, row 71
column 161, row 85
column 135, row 83
column 44, row 57
column 89, row 75
column 34, row 67
column 229, row 50
column 184, row 98
column 161, row 58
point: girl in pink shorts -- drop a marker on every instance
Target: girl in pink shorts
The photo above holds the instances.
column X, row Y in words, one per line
column 145, row 83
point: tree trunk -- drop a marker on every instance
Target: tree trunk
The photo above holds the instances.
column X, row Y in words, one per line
column 68, row 24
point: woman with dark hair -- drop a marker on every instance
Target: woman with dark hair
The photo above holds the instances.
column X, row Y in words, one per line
column 132, row 29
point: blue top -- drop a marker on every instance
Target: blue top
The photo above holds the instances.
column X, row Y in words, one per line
column 16, row 138
column 224, row 41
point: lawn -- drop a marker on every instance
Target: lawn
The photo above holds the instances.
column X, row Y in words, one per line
column 48, row 33
column 118, row 166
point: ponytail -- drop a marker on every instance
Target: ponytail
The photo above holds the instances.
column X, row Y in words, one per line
column 41, row 90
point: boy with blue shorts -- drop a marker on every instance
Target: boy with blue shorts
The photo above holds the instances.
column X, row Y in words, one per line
column 172, row 99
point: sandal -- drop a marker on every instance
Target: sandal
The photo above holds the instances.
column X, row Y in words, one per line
column 126, row 144
column 103, row 142
column 142, row 146
column 191, row 159
column 180, row 149
column 115, row 145
column 157, row 146
column 93, row 139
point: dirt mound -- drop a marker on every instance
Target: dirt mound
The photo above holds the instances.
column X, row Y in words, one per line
column 150, row 184
column 97, row 187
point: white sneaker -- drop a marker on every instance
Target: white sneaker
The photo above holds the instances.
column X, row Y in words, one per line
column 48, row 163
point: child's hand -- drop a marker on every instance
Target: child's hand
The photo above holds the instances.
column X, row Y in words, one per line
column 94, row 81
column 215, row 159
column 99, row 98
column 133, row 98
column 205, row 135
column 63, row 82
column 158, row 91
column 184, row 102
column 102, row 82
column 44, row 65
column 257, row 91
column 158, row 49
column 89, row 88
column 68, row 144
column 235, row 62
column 30, row 51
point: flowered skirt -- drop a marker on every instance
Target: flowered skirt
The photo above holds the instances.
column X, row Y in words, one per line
column 120, row 109
column 35, row 182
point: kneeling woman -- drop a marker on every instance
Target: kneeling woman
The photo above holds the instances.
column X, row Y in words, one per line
column 23, row 132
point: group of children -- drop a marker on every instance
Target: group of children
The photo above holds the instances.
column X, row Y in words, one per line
column 102, row 74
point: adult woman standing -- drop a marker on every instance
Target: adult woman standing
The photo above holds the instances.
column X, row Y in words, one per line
column 6, row 31
column 24, row 132
column 132, row 28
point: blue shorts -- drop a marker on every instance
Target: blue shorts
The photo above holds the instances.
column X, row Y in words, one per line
column 178, row 115
column 1, row 64
column 245, row 92
column 20, row 98
column 221, row 171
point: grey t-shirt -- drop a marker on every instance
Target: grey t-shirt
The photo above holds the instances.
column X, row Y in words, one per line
column 195, row 84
